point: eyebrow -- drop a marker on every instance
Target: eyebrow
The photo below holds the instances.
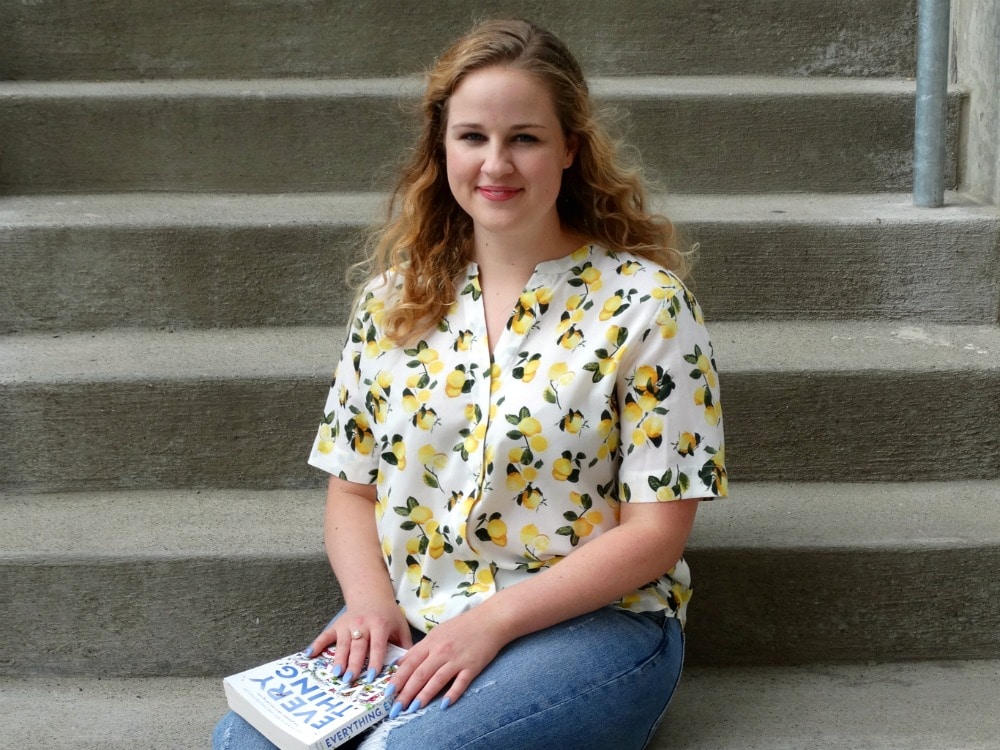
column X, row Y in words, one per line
column 519, row 126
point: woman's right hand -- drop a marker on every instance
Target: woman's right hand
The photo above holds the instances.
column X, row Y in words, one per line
column 378, row 625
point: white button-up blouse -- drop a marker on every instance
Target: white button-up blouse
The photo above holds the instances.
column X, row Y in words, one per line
column 602, row 389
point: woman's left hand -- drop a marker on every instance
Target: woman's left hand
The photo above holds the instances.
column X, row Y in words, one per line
column 454, row 652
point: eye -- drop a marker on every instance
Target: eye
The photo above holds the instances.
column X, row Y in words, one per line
column 525, row 138
column 472, row 136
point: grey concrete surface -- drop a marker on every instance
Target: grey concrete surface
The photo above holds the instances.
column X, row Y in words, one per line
column 113, row 39
column 222, row 260
column 976, row 63
column 941, row 705
column 706, row 134
column 207, row 582
column 145, row 410
column 918, row 706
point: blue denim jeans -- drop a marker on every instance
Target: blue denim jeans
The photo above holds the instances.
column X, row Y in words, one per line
column 600, row 680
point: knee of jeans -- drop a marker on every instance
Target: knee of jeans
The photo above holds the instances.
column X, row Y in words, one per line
column 222, row 734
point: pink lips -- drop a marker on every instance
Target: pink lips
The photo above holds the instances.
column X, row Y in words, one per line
column 495, row 193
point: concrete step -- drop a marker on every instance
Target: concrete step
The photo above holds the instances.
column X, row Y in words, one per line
column 204, row 260
column 944, row 705
column 132, row 409
column 700, row 134
column 190, row 583
column 119, row 39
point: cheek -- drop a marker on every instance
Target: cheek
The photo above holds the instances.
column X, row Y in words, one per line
column 457, row 167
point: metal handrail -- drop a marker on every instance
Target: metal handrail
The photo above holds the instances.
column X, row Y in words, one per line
column 932, row 103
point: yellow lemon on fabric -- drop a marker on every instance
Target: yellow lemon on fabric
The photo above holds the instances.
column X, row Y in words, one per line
column 497, row 530
column 528, row 533
column 591, row 276
column 665, row 494
column 531, row 498
column 687, row 443
column 515, row 482
column 529, row 371
column 435, row 546
column 421, row 514
column 529, row 426
column 454, row 383
column 653, row 426
column 470, row 444
column 610, row 307
column 562, row 468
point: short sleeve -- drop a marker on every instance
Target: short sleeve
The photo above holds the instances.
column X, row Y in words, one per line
column 672, row 444
column 345, row 443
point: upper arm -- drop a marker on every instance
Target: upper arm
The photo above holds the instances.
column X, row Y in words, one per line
column 338, row 487
column 665, row 527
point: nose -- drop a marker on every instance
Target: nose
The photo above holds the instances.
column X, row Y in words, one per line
column 496, row 162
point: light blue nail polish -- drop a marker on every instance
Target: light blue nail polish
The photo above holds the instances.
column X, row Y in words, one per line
column 369, row 676
column 445, row 702
column 308, row 652
column 348, row 676
column 337, row 670
column 390, row 691
column 396, row 710
column 415, row 706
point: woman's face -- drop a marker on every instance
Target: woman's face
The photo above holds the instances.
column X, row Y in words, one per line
column 505, row 153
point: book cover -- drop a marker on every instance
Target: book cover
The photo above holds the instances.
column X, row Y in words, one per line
column 298, row 704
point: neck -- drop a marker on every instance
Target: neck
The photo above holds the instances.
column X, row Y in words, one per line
column 503, row 256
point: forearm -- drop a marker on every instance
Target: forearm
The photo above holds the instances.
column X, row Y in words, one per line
column 352, row 545
column 643, row 548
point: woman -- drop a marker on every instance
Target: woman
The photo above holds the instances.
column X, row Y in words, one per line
column 526, row 383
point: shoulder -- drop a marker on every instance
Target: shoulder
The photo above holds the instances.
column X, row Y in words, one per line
column 646, row 280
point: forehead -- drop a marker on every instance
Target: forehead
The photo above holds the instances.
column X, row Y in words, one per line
column 500, row 94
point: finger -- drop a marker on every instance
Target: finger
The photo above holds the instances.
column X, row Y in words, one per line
column 377, row 646
column 458, row 686
column 326, row 637
column 400, row 682
column 435, row 685
column 420, row 676
column 358, row 641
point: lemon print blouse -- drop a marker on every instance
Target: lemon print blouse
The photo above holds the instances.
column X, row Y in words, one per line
column 601, row 390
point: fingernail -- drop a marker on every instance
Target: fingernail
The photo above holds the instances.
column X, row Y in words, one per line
column 390, row 691
column 348, row 676
column 369, row 676
column 337, row 669
column 308, row 652
column 415, row 706
column 445, row 702
column 396, row 710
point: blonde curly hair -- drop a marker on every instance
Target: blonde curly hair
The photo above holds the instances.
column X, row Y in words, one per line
column 425, row 242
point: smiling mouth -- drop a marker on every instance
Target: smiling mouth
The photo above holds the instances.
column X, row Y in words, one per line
column 498, row 193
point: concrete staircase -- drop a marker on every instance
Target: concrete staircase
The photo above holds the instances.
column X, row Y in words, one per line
column 181, row 188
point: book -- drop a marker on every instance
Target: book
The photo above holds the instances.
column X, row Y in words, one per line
column 298, row 704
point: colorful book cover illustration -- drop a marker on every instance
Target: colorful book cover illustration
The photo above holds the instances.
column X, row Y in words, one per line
column 298, row 704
